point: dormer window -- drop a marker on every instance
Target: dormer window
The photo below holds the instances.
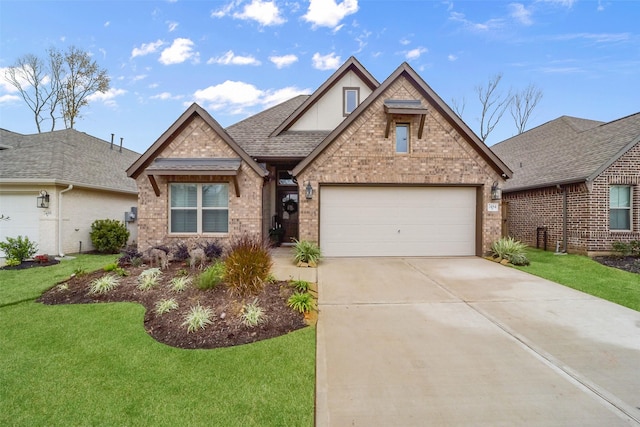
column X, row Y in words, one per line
column 351, row 99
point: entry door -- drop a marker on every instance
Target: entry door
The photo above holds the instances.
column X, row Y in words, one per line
column 288, row 213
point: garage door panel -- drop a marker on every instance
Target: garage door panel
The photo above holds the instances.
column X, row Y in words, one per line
column 397, row 221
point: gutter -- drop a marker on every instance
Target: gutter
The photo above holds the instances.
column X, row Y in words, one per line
column 69, row 188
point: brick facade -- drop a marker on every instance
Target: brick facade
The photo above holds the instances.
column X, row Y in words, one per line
column 362, row 155
column 198, row 140
column 587, row 210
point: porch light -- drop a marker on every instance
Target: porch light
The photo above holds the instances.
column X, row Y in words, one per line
column 43, row 199
column 496, row 192
column 308, row 191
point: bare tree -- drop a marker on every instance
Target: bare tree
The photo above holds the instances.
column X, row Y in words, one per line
column 29, row 76
column 493, row 103
column 458, row 106
column 81, row 78
column 56, row 62
column 524, row 102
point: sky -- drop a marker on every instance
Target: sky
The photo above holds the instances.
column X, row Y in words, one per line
column 236, row 58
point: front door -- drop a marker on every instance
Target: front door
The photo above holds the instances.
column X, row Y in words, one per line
column 288, row 213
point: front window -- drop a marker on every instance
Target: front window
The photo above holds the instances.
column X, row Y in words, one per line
column 402, row 138
column 351, row 100
column 620, row 207
column 199, row 208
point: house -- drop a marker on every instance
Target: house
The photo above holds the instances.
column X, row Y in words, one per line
column 363, row 168
column 54, row 185
column 576, row 184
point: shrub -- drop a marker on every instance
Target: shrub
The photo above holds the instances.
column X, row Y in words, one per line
column 165, row 306
column 626, row 249
column 198, row 318
column 300, row 285
column 301, row 301
column 108, row 235
column 510, row 249
column 247, row 266
column 180, row 283
column 180, row 252
column 211, row 277
column 130, row 256
column 104, row 284
column 212, row 249
column 252, row 314
column 306, row 251
column 18, row 248
column 11, row 262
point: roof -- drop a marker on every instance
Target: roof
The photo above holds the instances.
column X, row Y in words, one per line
column 65, row 157
column 146, row 160
column 405, row 70
column 566, row 150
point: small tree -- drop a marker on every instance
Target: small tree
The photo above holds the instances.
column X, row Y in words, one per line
column 493, row 104
column 524, row 102
column 108, row 235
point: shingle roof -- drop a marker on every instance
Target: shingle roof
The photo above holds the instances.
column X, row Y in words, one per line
column 566, row 150
column 253, row 133
column 66, row 157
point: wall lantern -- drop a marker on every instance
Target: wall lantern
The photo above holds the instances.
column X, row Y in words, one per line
column 308, row 191
column 496, row 192
column 43, row 199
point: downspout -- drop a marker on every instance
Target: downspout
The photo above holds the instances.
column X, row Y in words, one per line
column 69, row 188
column 564, row 219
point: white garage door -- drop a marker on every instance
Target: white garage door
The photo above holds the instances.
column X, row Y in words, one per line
column 397, row 221
column 23, row 217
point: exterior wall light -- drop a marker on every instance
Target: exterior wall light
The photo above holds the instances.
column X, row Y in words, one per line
column 496, row 192
column 308, row 191
column 43, row 200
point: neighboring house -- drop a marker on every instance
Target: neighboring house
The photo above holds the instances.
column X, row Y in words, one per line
column 576, row 180
column 82, row 177
column 362, row 168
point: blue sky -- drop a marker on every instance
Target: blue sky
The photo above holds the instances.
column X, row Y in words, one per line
column 236, row 58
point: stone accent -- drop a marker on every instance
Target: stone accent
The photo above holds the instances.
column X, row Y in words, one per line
column 362, row 155
column 587, row 210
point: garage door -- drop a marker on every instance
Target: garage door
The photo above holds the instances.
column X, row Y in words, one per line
column 23, row 217
column 397, row 221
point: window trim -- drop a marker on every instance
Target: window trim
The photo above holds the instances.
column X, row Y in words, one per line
column 198, row 208
column 345, row 113
column 408, row 127
column 628, row 209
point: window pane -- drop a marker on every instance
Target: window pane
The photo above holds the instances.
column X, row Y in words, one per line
column 402, row 138
column 620, row 219
column 215, row 195
column 350, row 101
column 215, row 221
column 184, row 195
column 184, row 221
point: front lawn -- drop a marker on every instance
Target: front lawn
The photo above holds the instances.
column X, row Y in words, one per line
column 94, row 364
column 586, row 275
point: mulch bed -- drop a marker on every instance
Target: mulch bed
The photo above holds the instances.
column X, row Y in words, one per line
column 29, row 264
column 227, row 328
column 626, row 263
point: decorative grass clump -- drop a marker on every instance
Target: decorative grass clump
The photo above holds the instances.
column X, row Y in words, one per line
column 247, row 266
column 253, row 314
column 510, row 249
column 300, row 285
column 104, row 284
column 198, row 318
column 301, row 302
column 211, row 277
column 149, row 278
column 306, row 252
column 180, row 283
column 165, row 306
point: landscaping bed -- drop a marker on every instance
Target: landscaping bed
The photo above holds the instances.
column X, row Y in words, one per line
column 226, row 329
column 626, row 263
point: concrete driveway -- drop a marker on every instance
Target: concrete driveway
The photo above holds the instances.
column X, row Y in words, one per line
column 464, row 341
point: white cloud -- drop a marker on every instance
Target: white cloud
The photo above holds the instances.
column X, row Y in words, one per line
column 108, row 97
column 475, row 26
column 230, row 58
column 106, row 24
column 172, row 25
column 520, row 13
column 225, row 10
column 405, row 42
column 451, row 57
column 326, row 62
column 7, row 99
column 146, row 48
column 284, row 60
column 329, row 13
column 165, row 96
column 180, row 50
column 139, row 77
column 276, row 97
column 415, row 53
column 264, row 12
column 563, row 3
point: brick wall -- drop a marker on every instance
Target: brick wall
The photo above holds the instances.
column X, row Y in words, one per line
column 198, row 140
column 587, row 210
column 362, row 155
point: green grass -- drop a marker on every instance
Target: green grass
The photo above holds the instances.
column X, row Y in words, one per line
column 584, row 274
column 94, row 364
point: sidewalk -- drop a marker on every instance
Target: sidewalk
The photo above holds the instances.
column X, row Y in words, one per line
column 285, row 269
